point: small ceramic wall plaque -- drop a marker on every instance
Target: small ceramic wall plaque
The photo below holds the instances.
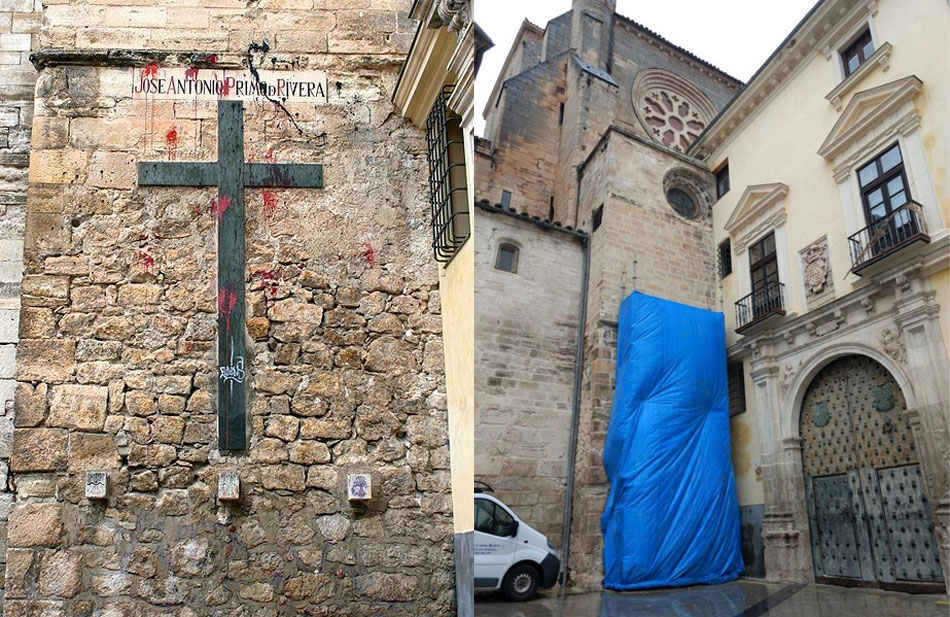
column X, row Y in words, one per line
column 229, row 486
column 359, row 487
column 97, row 484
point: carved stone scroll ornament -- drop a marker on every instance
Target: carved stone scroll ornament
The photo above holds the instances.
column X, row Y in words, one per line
column 893, row 345
column 453, row 14
column 789, row 372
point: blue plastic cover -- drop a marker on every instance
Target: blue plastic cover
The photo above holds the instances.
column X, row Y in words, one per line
column 672, row 518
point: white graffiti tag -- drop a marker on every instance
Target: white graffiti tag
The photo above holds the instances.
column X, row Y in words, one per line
column 234, row 373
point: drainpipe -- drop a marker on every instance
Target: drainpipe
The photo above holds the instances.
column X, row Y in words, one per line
column 576, row 403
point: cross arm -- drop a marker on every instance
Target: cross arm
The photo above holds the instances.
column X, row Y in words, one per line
column 283, row 175
column 178, row 174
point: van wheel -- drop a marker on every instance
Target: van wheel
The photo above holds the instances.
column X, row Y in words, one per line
column 521, row 583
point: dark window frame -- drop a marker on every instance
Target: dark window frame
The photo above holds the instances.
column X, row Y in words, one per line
column 763, row 263
column 735, row 374
column 722, row 178
column 689, row 210
column 857, row 49
column 883, row 178
column 515, row 251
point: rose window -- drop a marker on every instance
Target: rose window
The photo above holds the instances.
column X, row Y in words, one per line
column 673, row 122
column 672, row 110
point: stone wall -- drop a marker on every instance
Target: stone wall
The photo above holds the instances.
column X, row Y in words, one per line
column 525, row 360
column 19, row 25
column 523, row 157
column 675, row 260
column 117, row 364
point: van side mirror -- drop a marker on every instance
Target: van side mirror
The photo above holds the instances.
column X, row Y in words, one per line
column 514, row 528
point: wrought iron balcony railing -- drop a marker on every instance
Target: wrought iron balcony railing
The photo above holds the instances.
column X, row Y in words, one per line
column 759, row 305
column 904, row 226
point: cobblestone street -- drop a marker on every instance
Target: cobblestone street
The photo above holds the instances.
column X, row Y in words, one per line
column 743, row 598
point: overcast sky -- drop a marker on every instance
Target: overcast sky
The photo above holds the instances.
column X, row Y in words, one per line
column 735, row 35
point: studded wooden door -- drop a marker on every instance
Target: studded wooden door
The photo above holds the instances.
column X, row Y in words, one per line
column 868, row 511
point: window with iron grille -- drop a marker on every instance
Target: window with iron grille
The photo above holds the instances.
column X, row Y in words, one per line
column 736, row 379
column 448, row 193
column 725, row 258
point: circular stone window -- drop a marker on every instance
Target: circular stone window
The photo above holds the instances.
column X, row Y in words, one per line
column 681, row 201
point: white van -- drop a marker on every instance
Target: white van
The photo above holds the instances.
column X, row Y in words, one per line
column 509, row 554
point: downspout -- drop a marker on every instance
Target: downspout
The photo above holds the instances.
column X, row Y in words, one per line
column 576, row 403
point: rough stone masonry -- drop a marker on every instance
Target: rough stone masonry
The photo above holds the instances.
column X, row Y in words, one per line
column 116, row 365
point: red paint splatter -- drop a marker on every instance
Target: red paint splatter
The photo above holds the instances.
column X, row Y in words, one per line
column 171, row 142
column 270, row 282
column 219, row 205
column 369, row 254
column 211, row 58
column 270, row 203
column 225, row 88
column 191, row 73
column 270, row 157
column 151, row 69
column 227, row 298
column 147, row 260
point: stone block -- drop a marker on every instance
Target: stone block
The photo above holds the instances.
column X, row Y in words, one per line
column 57, row 166
column 15, row 42
column 38, row 449
column 292, row 310
column 46, row 232
column 29, row 405
column 17, row 581
column 385, row 587
column 135, row 294
column 112, row 170
column 67, row 264
column 283, row 477
column 309, row 452
column 79, row 407
column 35, row 524
column 60, row 574
column 41, row 290
column 91, row 451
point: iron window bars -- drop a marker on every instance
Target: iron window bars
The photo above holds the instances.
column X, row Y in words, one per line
column 448, row 192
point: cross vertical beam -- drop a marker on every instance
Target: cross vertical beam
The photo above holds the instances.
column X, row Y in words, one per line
column 232, row 431
column 231, row 175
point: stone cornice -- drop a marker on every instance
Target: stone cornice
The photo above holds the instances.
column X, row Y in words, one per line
column 880, row 58
column 815, row 34
column 867, row 109
column 759, row 208
column 133, row 58
column 426, row 68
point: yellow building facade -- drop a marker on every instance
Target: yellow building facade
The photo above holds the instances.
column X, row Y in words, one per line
column 832, row 229
column 436, row 92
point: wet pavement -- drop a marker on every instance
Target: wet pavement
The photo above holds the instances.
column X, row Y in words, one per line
column 742, row 598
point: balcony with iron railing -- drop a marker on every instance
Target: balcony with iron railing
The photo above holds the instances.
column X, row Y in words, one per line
column 872, row 247
column 759, row 307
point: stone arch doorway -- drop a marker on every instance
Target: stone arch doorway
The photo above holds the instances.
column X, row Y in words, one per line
column 868, row 510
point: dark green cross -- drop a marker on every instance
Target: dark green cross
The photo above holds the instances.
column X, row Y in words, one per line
column 231, row 174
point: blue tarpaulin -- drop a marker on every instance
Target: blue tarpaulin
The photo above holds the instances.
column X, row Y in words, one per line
column 672, row 518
